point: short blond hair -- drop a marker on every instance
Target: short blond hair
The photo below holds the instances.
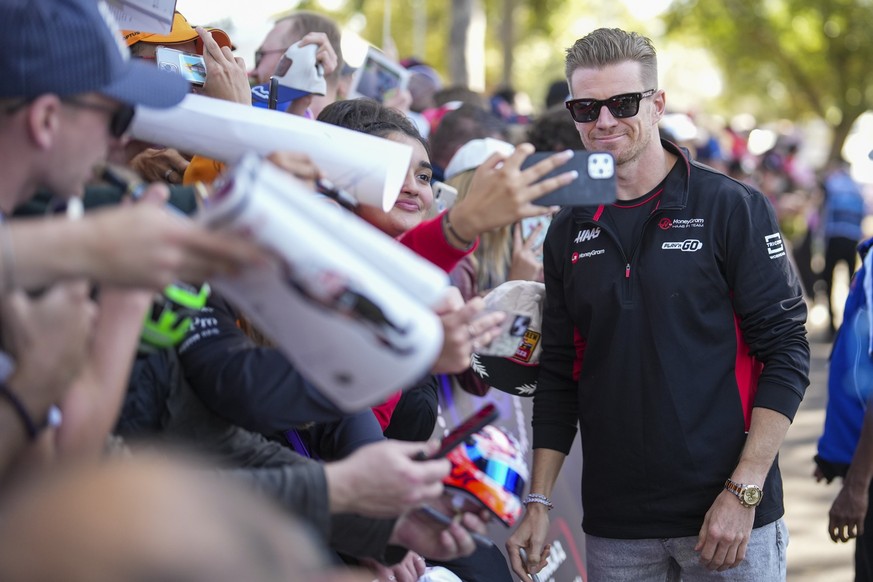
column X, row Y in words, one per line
column 611, row 46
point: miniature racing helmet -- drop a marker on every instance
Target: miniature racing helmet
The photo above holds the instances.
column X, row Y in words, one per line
column 170, row 316
column 490, row 468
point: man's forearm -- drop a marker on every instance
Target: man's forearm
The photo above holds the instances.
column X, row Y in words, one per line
column 547, row 465
column 44, row 251
column 92, row 406
column 861, row 470
column 766, row 434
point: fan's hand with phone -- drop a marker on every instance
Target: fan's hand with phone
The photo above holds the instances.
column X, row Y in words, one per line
column 418, row 531
column 502, row 191
column 441, row 510
column 527, row 254
column 461, row 533
column 385, row 479
column 226, row 76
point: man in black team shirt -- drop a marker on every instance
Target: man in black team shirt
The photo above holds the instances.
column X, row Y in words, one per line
column 673, row 334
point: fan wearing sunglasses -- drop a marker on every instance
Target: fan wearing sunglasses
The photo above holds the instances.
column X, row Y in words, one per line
column 64, row 107
column 674, row 338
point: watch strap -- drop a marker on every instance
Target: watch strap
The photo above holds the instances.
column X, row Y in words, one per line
column 739, row 490
column 733, row 487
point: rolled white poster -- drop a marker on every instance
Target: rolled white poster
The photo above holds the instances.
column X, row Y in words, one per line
column 370, row 168
column 354, row 332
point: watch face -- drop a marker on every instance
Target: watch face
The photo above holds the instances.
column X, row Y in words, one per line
column 752, row 495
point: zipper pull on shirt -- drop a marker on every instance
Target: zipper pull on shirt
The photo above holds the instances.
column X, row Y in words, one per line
column 627, row 271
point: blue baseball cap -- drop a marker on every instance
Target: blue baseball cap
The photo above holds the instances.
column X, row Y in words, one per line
column 298, row 73
column 68, row 47
column 261, row 93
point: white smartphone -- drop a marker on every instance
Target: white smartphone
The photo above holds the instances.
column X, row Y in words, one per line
column 528, row 225
column 378, row 77
column 189, row 65
column 444, row 196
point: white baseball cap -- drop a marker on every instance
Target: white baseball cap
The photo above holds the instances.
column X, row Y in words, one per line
column 299, row 74
column 473, row 154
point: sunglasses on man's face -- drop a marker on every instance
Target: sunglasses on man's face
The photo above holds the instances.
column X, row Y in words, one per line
column 260, row 54
column 120, row 116
column 620, row 106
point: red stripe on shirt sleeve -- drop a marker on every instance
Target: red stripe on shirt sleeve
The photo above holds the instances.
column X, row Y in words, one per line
column 580, row 343
column 747, row 370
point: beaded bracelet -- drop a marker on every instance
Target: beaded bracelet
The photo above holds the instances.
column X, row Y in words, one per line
column 447, row 226
column 54, row 416
column 29, row 426
column 537, row 498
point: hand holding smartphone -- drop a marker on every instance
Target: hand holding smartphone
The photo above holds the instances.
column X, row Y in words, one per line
column 444, row 519
column 529, row 225
column 444, row 196
column 378, row 77
column 595, row 184
column 473, row 424
column 189, row 65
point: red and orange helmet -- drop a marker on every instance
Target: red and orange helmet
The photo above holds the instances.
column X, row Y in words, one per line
column 490, row 467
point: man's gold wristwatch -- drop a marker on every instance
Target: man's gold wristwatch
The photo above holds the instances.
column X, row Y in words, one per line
column 749, row 495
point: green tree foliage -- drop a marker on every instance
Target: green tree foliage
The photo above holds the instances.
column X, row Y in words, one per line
column 538, row 53
column 542, row 30
column 793, row 58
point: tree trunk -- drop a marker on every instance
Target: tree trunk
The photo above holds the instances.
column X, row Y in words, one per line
column 840, row 133
column 419, row 27
column 507, row 40
column 462, row 13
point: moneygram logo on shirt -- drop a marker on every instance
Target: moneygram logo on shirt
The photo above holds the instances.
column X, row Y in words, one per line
column 588, row 234
column 667, row 223
column 574, row 258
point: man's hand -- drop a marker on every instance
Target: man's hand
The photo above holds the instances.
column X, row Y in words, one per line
column 325, row 55
column 530, row 535
column 725, row 533
column 145, row 245
column 846, row 517
column 298, row 165
column 465, row 327
column 48, row 337
column 299, row 106
column 383, row 479
column 226, row 76
column 159, row 165
column 819, row 476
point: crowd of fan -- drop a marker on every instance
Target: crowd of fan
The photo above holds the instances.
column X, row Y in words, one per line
column 90, row 488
